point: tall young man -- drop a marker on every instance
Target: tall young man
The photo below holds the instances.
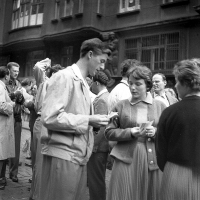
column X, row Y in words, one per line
column 67, row 113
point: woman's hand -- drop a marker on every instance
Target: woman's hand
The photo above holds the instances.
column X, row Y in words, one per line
column 150, row 131
column 137, row 132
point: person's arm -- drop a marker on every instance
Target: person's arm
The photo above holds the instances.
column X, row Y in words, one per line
column 39, row 71
column 113, row 130
column 6, row 108
column 57, row 101
column 102, row 109
column 161, row 142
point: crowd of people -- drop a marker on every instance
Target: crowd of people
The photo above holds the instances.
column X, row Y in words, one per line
column 150, row 133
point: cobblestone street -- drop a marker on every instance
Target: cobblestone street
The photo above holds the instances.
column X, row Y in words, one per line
column 20, row 190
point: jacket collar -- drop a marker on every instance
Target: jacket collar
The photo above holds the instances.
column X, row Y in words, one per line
column 148, row 99
column 77, row 72
column 102, row 92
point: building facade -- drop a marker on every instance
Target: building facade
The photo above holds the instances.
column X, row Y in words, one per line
column 157, row 32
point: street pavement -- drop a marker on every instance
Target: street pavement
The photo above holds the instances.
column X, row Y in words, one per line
column 20, row 190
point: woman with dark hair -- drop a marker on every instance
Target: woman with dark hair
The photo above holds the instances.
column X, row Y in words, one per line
column 178, row 137
column 7, row 144
column 135, row 174
column 97, row 162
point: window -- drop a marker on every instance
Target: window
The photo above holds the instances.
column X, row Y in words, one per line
column 98, row 6
column 31, row 59
column 129, row 5
column 27, row 13
column 170, row 1
column 158, row 52
column 57, row 9
column 67, row 54
column 80, row 8
column 69, row 4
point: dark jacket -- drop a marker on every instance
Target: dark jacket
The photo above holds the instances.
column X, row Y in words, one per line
column 17, row 97
column 178, row 134
column 101, row 107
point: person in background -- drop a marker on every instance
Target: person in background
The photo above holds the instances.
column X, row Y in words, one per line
column 26, row 90
column 97, row 162
column 121, row 91
column 159, row 92
column 42, row 72
column 13, row 87
column 90, row 82
column 32, row 118
column 67, row 113
column 135, row 173
column 7, row 140
column 178, row 137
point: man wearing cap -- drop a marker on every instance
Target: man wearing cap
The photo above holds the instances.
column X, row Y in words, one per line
column 67, row 113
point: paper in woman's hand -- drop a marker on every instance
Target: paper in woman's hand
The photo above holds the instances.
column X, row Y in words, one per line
column 112, row 115
column 143, row 126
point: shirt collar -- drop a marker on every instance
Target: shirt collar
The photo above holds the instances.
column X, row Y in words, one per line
column 125, row 82
column 162, row 95
column 101, row 92
column 12, row 82
column 148, row 99
column 79, row 75
column 3, row 84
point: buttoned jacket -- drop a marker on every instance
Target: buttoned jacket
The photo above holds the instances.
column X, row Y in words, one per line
column 124, row 148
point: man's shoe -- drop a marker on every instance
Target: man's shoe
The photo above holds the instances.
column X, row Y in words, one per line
column 2, row 187
column 4, row 181
column 2, row 184
column 14, row 179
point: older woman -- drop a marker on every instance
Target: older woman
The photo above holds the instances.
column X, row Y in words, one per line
column 7, row 144
column 178, row 137
column 135, row 173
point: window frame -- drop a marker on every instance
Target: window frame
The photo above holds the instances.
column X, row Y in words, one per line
column 20, row 20
column 126, row 8
column 57, row 9
column 71, row 8
column 164, row 50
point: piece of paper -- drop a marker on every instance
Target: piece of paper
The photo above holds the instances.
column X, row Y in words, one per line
column 146, row 124
column 112, row 114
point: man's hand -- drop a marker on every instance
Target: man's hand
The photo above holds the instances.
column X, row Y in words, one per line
column 98, row 120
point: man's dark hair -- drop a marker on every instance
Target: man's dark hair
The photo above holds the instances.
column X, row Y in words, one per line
column 95, row 45
column 102, row 76
column 26, row 82
column 55, row 68
column 162, row 75
column 10, row 64
column 4, row 71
